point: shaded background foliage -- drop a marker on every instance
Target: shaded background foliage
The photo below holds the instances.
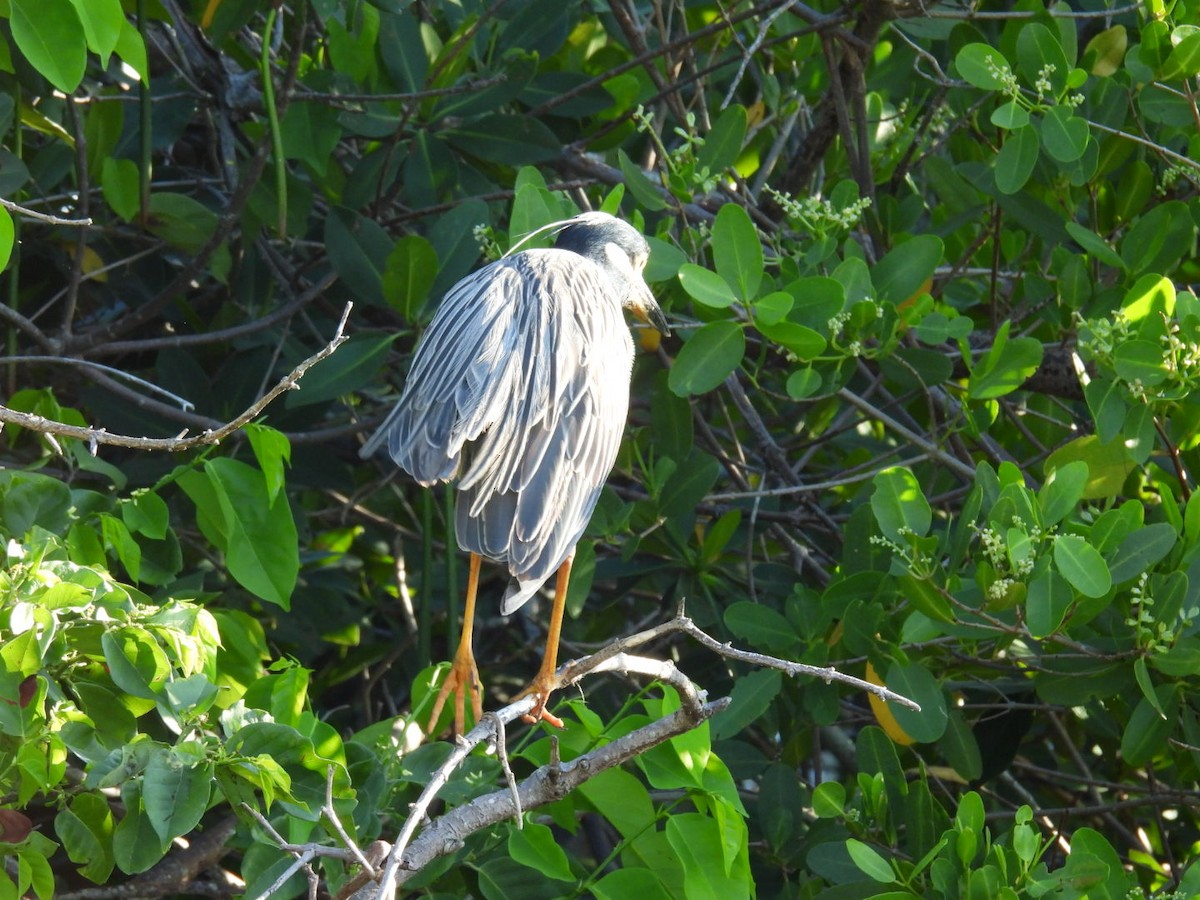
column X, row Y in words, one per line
column 927, row 415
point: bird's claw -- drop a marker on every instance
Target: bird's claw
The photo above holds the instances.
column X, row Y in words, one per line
column 463, row 681
column 540, row 689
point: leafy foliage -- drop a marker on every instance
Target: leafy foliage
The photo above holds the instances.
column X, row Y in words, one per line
column 927, row 415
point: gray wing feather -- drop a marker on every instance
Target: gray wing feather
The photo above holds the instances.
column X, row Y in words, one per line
column 521, row 383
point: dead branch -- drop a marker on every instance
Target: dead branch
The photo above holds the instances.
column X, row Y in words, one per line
column 96, row 436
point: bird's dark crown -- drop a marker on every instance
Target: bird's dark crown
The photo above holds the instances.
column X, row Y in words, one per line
column 588, row 233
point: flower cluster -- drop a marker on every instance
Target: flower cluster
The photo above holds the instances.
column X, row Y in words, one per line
column 819, row 215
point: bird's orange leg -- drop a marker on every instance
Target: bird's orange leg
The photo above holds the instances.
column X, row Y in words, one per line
column 544, row 683
column 463, row 678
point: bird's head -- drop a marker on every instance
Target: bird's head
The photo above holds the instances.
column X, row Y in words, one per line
column 622, row 252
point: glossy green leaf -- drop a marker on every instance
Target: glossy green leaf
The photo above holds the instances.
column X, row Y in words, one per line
column 1005, row 366
column 358, row 249
column 723, row 143
column 706, row 286
column 85, row 828
column 983, row 66
column 1063, row 134
column 352, row 366
column 102, row 21
column 647, row 194
column 7, row 237
column 50, row 35
column 737, row 251
column 1141, row 550
column 1016, row 159
column 119, row 182
column 1062, row 491
column 534, row 846
column 1011, row 115
column 408, row 275
column 1094, row 245
column 1047, row 600
column 916, row 683
column 511, row 140
column 1147, row 731
column 869, row 861
column 1184, row 60
column 829, row 800
column 1159, row 239
column 763, row 627
column 900, row 506
column 1082, row 565
column 272, row 452
column 261, row 548
column 697, row 841
column 1106, row 51
column 906, row 268
column 1040, row 57
column 752, row 695
column 960, row 748
column 707, row 359
column 175, row 794
column 622, row 884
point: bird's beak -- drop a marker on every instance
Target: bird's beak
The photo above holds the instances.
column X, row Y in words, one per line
column 646, row 308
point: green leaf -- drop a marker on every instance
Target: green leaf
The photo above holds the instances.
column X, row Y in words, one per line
column 1159, row 239
column 1141, row 550
column 1184, row 59
column 510, row 140
column 647, row 194
column 1146, row 734
column 1105, row 52
column 982, row 66
column 752, row 695
column 959, row 747
column 1062, row 491
column 1011, row 115
column 1016, row 159
column 272, row 452
column 1151, row 296
column 119, row 183
column 623, row 884
column 175, row 793
column 915, row 682
column 85, row 828
column 697, row 842
column 1082, row 565
column 737, row 251
column 261, row 550
column 355, row 364
column 358, row 249
column 803, row 383
column 408, row 275
column 829, row 800
column 869, row 861
column 1047, row 600
column 102, row 21
column 1005, row 367
column 801, row 341
column 136, row 846
column 707, row 359
column 180, row 220
column 1094, row 245
column 723, row 143
column 900, row 274
column 706, row 286
column 8, row 237
column 1064, row 134
column 50, row 35
column 763, row 627
column 1040, row 55
column 534, row 846
column 900, row 506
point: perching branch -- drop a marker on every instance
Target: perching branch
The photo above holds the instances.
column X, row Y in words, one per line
column 445, row 835
column 96, row 436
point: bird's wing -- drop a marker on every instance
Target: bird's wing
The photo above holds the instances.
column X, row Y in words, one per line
column 534, row 475
column 464, row 364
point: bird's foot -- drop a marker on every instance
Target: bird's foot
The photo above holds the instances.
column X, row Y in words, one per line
column 540, row 689
column 462, row 681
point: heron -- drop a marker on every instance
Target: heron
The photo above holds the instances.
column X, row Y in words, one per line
column 518, row 393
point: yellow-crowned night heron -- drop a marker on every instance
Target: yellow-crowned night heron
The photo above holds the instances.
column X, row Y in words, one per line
column 519, row 389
